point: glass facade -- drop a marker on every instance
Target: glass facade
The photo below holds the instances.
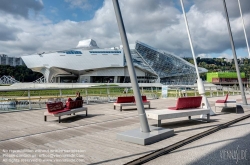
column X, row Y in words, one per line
column 152, row 66
column 166, row 68
column 70, row 52
column 107, row 52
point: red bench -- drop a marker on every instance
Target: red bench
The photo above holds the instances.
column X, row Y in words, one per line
column 225, row 103
column 222, row 101
column 58, row 109
column 129, row 101
column 74, row 104
column 185, row 106
column 187, row 103
column 125, row 99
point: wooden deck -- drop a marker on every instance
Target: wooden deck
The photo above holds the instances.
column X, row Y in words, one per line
column 25, row 137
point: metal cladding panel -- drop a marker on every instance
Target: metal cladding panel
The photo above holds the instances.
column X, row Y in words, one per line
column 107, row 72
column 114, row 72
column 137, row 71
column 83, row 61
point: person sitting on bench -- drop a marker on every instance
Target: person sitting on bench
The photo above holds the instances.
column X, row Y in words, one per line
column 78, row 96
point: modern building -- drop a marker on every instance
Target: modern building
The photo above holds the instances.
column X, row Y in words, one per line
column 12, row 61
column 225, row 78
column 88, row 63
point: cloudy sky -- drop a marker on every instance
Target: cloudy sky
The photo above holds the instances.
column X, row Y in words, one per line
column 30, row 26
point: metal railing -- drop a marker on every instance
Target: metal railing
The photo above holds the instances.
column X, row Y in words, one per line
column 30, row 99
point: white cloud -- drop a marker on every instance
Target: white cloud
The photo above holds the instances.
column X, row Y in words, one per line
column 83, row 4
column 20, row 8
column 54, row 10
column 205, row 55
column 155, row 22
column 225, row 55
column 74, row 15
column 217, row 5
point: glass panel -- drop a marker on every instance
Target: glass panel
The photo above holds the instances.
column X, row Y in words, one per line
column 171, row 69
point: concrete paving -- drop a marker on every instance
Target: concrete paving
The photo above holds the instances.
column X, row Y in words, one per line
column 227, row 146
column 26, row 139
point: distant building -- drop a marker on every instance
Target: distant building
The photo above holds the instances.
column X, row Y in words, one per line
column 225, row 78
column 12, row 61
column 228, row 60
column 90, row 64
column 243, row 60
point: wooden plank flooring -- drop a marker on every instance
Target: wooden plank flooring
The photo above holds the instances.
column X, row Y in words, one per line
column 94, row 135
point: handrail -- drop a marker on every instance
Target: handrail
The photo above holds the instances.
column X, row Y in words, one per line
column 33, row 98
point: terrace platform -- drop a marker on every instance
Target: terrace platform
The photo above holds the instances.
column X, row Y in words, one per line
column 92, row 139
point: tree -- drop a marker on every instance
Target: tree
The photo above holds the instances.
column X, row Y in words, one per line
column 219, row 64
column 20, row 73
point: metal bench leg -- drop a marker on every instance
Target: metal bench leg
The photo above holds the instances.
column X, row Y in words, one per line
column 59, row 119
column 86, row 112
column 189, row 117
column 120, row 108
column 149, row 106
column 114, row 106
column 208, row 118
column 45, row 118
column 159, row 123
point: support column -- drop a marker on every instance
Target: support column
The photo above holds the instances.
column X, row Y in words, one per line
column 87, row 98
column 211, row 94
column 60, row 91
column 244, row 100
column 108, row 94
column 29, row 99
column 200, row 84
column 116, row 79
column 143, row 135
column 131, row 69
column 243, row 24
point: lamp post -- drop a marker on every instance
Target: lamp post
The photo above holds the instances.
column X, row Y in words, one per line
column 144, row 135
column 133, row 78
column 243, row 24
column 200, row 84
column 244, row 100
